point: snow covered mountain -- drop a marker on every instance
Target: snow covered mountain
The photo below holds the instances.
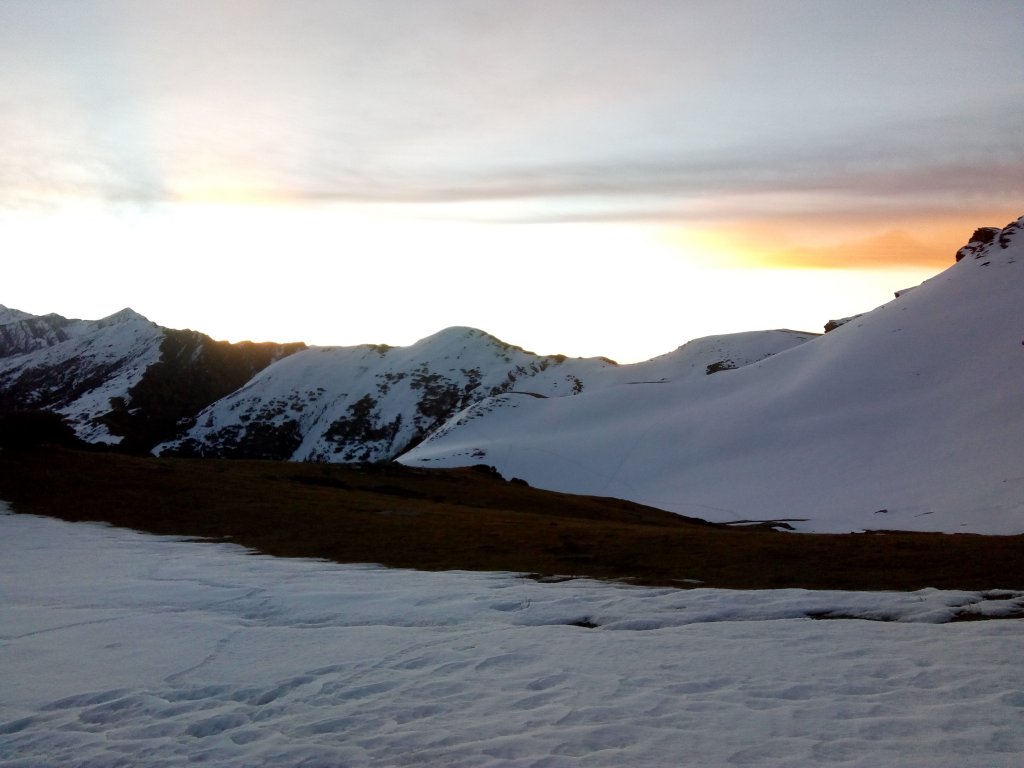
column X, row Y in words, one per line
column 122, row 379
column 75, row 367
column 125, row 380
column 906, row 417
column 373, row 402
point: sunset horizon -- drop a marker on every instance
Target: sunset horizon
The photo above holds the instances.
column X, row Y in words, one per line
column 577, row 178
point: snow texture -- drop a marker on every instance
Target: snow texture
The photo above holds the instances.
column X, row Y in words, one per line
column 907, row 417
column 119, row 648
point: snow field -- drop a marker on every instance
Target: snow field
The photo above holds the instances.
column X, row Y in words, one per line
column 119, row 648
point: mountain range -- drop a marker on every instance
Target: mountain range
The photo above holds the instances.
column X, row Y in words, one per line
column 905, row 417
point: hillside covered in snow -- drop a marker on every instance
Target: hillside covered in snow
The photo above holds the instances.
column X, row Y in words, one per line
column 123, row 380
column 907, row 417
column 373, row 402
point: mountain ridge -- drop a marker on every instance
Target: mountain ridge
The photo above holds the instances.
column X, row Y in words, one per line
column 759, row 439
column 103, row 375
column 374, row 403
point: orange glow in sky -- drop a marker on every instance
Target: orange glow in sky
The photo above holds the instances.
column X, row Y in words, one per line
column 832, row 242
column 336, row 274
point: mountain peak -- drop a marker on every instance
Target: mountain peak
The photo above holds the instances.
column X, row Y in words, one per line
column 125, row 315
column 455, row 333
column 461, row 334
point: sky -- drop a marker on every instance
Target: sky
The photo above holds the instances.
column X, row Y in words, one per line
column 585, row 177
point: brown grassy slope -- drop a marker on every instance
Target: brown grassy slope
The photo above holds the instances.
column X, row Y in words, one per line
column 465, row 519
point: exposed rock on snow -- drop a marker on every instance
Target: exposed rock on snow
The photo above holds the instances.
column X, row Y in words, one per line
column 981, row 237
column 831, row 325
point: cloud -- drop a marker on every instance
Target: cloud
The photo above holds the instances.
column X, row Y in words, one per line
column 572, row 112
column 782, row 182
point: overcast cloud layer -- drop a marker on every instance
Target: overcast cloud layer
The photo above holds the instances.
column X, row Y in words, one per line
column 600, row 109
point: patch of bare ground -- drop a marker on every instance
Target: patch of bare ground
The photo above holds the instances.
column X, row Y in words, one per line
column 471, row 519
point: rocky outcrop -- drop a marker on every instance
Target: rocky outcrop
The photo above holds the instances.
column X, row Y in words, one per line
column 981, row 237
column 1011, row 231
column 831, row 325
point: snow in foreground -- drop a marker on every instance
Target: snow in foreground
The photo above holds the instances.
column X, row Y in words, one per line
column 123, row 648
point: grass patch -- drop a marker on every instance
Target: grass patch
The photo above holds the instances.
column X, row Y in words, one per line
column 471, row 520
